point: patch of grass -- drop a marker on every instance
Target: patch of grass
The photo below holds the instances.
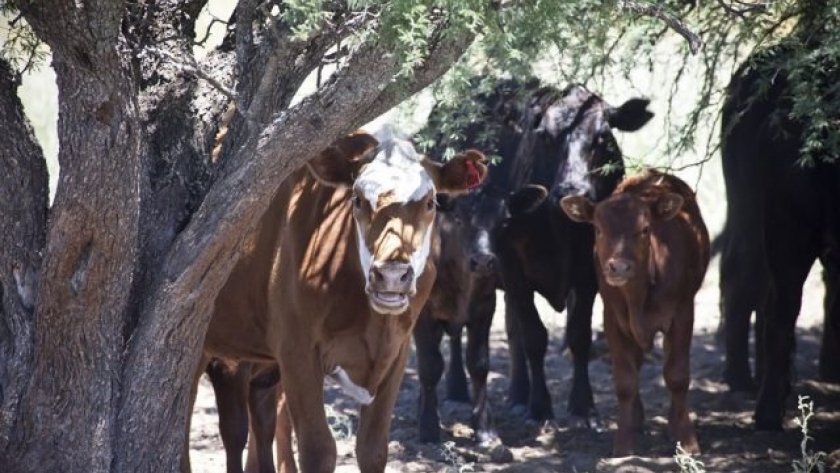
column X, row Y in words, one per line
column 810, row 461
column 687, row 463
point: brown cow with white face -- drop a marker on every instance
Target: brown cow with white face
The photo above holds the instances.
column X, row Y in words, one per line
column 652, row 250
column 333, row 280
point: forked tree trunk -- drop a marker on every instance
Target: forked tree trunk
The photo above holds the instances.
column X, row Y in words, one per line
column 99, row 352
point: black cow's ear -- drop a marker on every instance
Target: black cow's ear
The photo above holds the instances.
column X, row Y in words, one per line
column 631, row 115
column 339, row 164
column 445, row 202
column 578, row 208
column 667, row 206
column 526, row 199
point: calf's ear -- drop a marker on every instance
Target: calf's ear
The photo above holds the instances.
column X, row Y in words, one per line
column 578, row 208
column 667, row 206
column 460, row 174
column 631, row 115
column 526, row 199
column 339, row 164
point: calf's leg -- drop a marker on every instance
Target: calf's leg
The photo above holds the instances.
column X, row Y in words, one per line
column 626, row 356
column 677, row 346
column 478, row 364
column 428, row 333
column 456, row 379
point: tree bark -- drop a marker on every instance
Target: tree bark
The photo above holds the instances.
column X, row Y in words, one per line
column 143, row 231
column 23, row 216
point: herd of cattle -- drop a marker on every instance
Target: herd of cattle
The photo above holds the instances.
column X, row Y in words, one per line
column 372, row 243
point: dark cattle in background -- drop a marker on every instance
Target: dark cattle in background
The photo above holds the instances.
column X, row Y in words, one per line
column 464, row 293
column 567, row 146
column 651, row 252
column 782, row 217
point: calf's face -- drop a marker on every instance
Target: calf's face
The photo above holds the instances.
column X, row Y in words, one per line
column 393, row 205
column 467, row 225
column 622, row 230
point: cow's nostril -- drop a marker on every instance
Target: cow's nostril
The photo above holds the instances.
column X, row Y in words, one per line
column 406, row 277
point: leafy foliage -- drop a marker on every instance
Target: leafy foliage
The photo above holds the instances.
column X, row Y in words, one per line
column 583, row 41
column 19, row 45
column 591, row 42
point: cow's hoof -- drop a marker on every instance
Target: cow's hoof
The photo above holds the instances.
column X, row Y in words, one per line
column 428, row 434
column 591, row 422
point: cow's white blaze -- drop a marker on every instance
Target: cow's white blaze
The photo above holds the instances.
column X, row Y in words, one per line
column 395, row 172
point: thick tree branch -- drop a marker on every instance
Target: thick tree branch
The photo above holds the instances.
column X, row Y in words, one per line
column 657, row 11
column 205, row 252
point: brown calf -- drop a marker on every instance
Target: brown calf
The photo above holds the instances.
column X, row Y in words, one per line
column 332, row 282
column 652, row 250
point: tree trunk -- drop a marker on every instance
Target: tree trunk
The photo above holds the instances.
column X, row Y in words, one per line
column 143, row 232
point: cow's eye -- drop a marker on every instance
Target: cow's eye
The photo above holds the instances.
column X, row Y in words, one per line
column 645, row 231
column 430, row 205
column 357, row 203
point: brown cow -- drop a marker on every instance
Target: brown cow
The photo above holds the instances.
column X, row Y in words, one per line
column 652, row 250
column 332, row 282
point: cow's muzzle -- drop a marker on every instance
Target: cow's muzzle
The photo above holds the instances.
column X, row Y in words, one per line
column 618, row 271
column 482, row 263
column 390, row 285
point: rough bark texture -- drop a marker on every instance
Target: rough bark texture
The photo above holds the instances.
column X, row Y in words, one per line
column 23, row 216
column 145, row 229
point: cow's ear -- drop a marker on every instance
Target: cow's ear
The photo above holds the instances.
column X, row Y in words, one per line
column 526, row 199
column 631, row 115
column 339, row 164
column 578, row 208
column 460, row 174
column 667, row 206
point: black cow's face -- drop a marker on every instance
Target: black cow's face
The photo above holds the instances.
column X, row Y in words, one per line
column 578, row 126
column 467, row 223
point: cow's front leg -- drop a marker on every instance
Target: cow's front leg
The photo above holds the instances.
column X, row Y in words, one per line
column 427, row 336
column 626, row 358
column 303, row 383
column 677, row 346
column 375, row 419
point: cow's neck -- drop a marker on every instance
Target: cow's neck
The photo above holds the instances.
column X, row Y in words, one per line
column 636, row 293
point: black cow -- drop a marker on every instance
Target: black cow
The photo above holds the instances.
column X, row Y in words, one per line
column 464, row 293
column 782, row 217
column 567, row 147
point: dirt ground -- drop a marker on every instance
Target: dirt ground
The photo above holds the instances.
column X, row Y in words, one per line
column 723, row 419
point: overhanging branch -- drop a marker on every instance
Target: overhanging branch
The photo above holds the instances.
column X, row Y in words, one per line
column 676, row 24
